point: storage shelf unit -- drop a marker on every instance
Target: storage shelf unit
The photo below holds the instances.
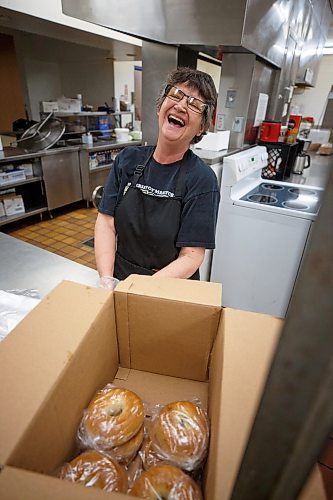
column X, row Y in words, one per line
column 7, row 219
column 80, row 123
column 31, row 189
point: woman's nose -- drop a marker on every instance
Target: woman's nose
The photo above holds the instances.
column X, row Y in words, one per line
column 181, row 105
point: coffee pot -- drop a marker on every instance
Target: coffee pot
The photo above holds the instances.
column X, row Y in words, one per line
column 302, row 162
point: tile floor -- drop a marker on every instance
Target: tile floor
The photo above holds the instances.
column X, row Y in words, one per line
column 63, row 235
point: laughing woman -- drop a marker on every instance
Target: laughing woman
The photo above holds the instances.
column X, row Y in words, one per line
column 159, row 208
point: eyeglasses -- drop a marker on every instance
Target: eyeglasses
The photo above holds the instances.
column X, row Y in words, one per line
column 193, row 103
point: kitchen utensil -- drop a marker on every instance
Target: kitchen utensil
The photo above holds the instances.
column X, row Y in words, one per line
column 302, row 162
column 42, row 135
column 270, row 131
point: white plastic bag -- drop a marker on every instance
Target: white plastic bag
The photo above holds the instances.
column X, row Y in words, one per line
column 14, row 305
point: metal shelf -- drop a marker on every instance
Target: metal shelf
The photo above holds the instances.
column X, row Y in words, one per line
column 101, row 168
column 29, row 180
column 6, row 219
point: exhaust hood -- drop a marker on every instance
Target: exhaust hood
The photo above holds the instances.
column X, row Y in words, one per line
column 213, row 26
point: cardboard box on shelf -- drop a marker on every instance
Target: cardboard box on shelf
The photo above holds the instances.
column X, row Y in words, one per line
column 48, row 106
column 2, row 209
column 165, row 339
column 28, row 169
column 11, row 176
column 13, row 204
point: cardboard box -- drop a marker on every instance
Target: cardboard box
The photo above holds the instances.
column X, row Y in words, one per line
column 49, row 106
column 214, row 141
column 11, row 176
column 2, row 209
column 13, row 204
column 165, row 339
column 28, row 169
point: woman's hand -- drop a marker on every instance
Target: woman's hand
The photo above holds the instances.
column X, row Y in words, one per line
column 108, row 282
column 187, row 262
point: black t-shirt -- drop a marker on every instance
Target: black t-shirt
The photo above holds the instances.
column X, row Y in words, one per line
column 200, row 197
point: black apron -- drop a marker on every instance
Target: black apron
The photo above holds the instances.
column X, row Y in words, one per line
column 147, row 228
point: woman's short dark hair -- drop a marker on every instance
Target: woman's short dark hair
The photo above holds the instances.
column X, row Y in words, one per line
column 200, row 81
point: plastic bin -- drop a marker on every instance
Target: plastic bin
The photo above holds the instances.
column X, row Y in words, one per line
column 281, row 158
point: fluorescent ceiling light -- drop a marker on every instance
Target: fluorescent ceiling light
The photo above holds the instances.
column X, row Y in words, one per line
column 327, row 50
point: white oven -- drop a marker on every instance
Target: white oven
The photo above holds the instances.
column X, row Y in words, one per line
column 262, row 231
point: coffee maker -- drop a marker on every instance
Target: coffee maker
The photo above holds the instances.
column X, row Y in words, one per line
column 302, row 160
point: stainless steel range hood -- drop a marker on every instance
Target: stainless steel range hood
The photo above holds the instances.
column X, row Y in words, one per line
column 213, row 26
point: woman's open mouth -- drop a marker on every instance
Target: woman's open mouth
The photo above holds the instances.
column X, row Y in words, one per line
column 174, row 120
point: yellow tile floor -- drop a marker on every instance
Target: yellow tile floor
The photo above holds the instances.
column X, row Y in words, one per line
column 63, row 235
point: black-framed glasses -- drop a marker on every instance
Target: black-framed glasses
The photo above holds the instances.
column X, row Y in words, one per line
column 193, row 103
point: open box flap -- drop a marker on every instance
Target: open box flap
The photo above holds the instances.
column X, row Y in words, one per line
column 167, row 326
column 195, row 292
column 241, row 359
column 46, row 346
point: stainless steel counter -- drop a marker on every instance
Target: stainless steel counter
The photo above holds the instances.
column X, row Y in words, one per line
column 317, row 175
column 26, row 266
column 13, row 154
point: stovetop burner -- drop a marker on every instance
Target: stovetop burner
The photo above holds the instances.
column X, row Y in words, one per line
column 272, row 187
column 262, row 198
column 283, row 196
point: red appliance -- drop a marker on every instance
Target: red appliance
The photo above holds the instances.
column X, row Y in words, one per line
column 270, row 131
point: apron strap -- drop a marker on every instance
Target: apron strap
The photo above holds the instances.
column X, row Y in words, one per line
column 139, row 169
column 180, row 177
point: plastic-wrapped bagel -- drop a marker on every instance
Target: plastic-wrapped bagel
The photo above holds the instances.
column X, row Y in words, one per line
column 95, row 469
column 113, row 417
column 165, row 481
column 180, row 434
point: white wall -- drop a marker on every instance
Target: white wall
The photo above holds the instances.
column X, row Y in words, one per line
column 124, row 75
column 212, row 69
column 312, row 101
column 52, row 68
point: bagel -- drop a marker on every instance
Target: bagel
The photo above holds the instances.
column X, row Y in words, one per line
column 127, row 451
column 180, row 434
column 165, row 481
column 148, row 455
column 95, row 469
column 113, row 417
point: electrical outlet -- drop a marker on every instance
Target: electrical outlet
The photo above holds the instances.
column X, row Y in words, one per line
column 238, row 124
column 230, row 98
column 219, row 121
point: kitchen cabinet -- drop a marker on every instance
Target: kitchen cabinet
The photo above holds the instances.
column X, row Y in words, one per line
column 31, row 189
column 62, row 177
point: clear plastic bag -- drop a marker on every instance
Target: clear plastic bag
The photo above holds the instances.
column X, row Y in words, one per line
column 179, row 434
column 14, row 305
column 166, row 481
column 113, row 422
column 95, row 469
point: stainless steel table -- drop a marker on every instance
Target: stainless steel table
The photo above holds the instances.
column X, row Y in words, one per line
column 25, row 266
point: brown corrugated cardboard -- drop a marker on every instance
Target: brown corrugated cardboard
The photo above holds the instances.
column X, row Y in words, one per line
column 68, row 341
column 54, row 361
column 235, row 390
column 17, row 484
column 165, row 326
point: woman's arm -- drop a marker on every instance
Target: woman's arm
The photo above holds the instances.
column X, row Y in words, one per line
column 105, row 244
column 187, row 262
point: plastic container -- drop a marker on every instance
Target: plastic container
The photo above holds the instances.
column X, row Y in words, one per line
column 103, row 125
column 122, row 134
